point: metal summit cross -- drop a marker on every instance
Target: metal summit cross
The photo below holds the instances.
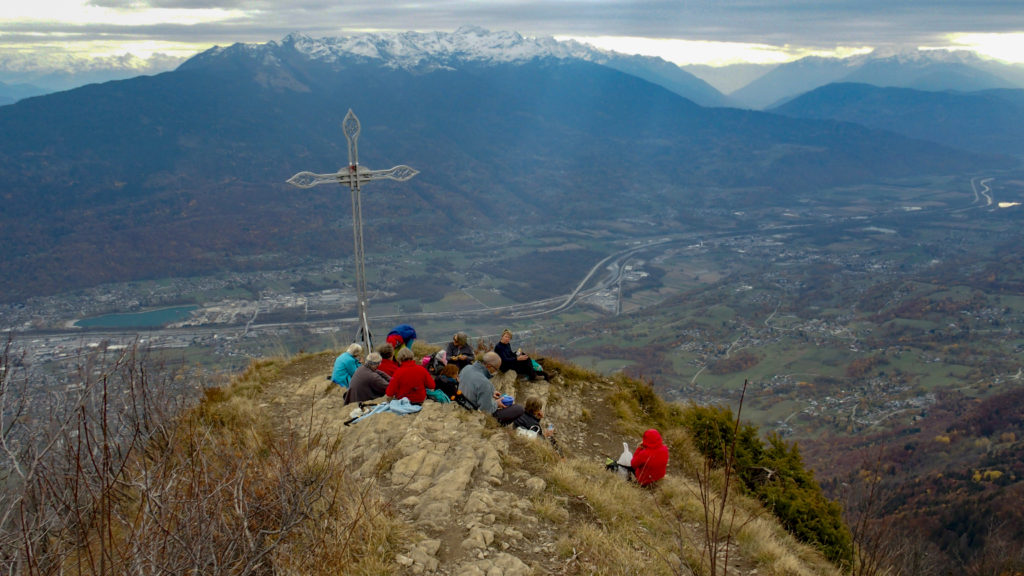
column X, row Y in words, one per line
column 355, row 176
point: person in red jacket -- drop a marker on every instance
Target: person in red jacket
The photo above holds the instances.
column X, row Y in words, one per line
column 650, row 459
column 411, row 380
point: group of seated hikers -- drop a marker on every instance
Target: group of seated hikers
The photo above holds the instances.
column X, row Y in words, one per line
column 454, row 373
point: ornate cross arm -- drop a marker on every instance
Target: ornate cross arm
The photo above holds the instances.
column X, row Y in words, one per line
column 352, row 177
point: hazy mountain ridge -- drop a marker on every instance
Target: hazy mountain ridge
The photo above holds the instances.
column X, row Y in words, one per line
column 130, row 179
column 72, row 72
column 729, row 78
column 11, row 93
column 885, row 66
column 978, row 121
column 789, row 79
column 935, row 70
column 926, row 71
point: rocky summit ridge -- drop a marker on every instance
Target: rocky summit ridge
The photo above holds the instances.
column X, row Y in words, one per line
column 479, row 499
column 468, row 47
column 451, row 474
column 427, row 50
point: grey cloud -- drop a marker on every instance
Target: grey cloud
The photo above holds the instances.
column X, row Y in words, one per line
column 219, row 33
column 792, row 21
column 188, row 4
column 818, row 23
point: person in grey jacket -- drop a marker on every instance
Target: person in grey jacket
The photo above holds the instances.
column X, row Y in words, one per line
column 475, row 382
column 475, row 385
column 368, row 382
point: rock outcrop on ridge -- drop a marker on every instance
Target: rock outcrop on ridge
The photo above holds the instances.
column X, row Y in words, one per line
column 479, row 499
column 455, row 475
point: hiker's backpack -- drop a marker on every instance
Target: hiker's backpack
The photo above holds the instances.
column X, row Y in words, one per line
column 436, row 362
column 466, row 403
column 446, row 384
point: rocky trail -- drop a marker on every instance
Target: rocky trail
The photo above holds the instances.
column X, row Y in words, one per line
column 466, row 487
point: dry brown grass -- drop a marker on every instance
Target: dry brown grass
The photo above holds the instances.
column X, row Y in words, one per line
column 613, row 527
column 223, row 488
column 126, row 484
column 572, row 374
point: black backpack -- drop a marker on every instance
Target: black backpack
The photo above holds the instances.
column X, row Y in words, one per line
column 435, row 365
column 466, row 403
column 446, row 384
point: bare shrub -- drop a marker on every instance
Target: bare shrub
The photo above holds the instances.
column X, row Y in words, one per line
column 65, row 454
column 721, row 518
column 118, row 476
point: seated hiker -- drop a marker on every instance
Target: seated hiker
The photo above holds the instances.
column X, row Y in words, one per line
column 533, row 411
column 475, row 386
column 401, row 336
column 521, row 363
column 368, row 382
column 345, row 365
column 650, row 459
column 459, row 352
column 411, row 380
column 387, row 365
column 448, row 380
column 475, row 382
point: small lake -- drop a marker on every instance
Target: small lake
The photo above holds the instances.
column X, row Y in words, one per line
column 150, row 319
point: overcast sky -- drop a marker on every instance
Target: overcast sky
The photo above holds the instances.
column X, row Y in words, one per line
column 59, row 32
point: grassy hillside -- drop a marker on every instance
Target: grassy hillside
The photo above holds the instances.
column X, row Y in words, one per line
column 261, row 476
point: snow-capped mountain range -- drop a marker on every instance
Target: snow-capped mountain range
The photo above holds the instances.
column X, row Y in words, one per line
column 414, row 50
column 423, row 52
column 429, row 51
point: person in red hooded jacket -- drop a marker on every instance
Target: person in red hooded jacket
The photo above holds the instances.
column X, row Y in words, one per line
column 650, row 459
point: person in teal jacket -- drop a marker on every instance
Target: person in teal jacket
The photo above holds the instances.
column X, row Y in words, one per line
column 346, row 364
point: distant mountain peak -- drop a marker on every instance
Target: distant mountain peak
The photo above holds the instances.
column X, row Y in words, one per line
column 424, row 52
column 428, row 50
column 906, row 55
column 420, row 50
column 897, row 66
column 913, row 55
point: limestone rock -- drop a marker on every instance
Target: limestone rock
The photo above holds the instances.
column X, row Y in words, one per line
column 457, row 478
column 536, row 485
